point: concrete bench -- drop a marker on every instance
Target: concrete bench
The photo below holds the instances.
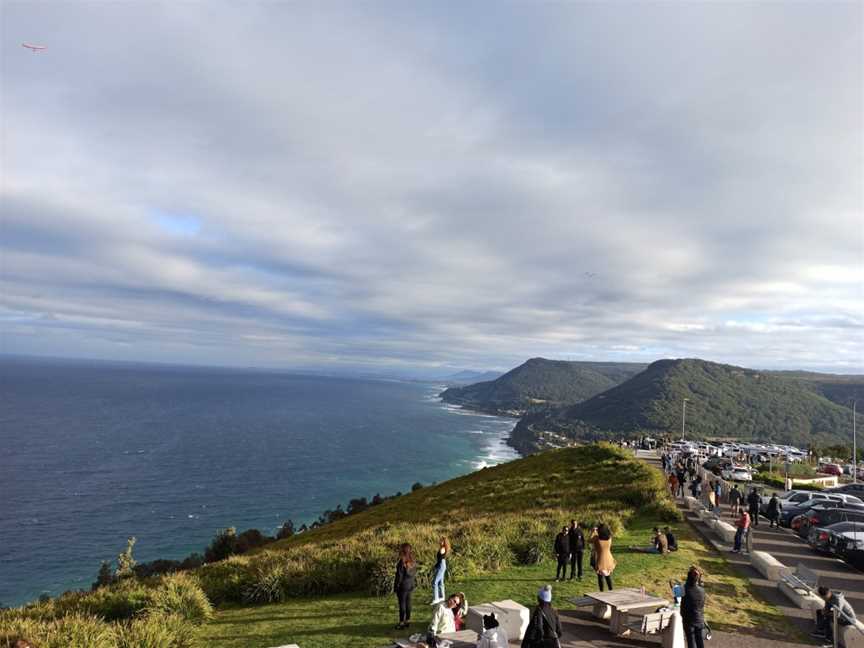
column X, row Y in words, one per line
column 725, row 530
column 799, row 586
column 647, row 624
column 853, row 635
column 692, row 503
column 768, row 565
column 705, row 515
column 512, row 617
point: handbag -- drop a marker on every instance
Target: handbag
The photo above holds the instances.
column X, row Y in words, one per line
column 550, row 642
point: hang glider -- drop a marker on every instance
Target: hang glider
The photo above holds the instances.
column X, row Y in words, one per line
column 34, row 48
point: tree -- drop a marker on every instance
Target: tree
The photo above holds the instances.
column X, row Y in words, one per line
column 286, row 531
column 104, row 577
column 223, row 545
column 416, row 486
column 125, row 561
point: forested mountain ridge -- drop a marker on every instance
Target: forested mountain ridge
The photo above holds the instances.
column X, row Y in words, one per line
column 723, row 401
column 541, row 382
column 839, row 388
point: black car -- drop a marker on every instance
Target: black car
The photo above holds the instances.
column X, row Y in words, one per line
column 825, row 515
column 810, row 500
column 849, row 489
column 717, row 464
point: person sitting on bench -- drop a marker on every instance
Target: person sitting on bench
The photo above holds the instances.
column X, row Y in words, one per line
column 493, row 634
column 443, row 620
column 825, row 616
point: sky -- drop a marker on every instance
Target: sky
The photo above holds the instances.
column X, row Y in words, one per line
column 407, row 186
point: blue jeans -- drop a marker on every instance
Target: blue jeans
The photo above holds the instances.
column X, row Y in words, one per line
column 739, row 534
column 438, row 583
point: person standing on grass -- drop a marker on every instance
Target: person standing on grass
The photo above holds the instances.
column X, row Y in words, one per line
column 562, row 552
column 772, row 512
column 604, row 560
column 673, row 483
column 404, row 583
column 693, row 608
column 753, row 502
column 577, row 548
column 439, row 570
column 742, row 527
column 736, row 497
column 544, row 628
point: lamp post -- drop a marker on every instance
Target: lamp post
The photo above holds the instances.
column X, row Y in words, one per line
column 683, row 416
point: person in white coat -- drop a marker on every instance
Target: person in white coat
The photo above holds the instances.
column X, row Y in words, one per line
column 493, row 634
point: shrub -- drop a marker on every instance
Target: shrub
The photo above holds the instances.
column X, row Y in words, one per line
column 156, row 631
column 71, row 631
column 181, row 595
column 225, row 581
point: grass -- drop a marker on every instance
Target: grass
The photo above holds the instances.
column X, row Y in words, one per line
column 319, row 588
column 362, row 621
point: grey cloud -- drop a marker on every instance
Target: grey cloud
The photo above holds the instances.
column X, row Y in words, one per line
column 407, row 184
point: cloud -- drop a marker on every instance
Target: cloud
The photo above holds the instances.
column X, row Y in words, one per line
column 406, row 186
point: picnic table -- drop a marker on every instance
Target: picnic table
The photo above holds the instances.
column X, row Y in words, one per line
column 614, row 604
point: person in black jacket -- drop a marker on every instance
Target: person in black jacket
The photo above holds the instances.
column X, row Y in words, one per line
column 773, row 511
column 577, row 547
column 404, row 583
column 545, row 626
column 671, row 540
column 562, row 552
column 693, row 608
column 753, row 501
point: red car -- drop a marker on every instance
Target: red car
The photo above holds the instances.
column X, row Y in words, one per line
column 831, row 469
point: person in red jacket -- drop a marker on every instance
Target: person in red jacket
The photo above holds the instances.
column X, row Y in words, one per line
column 743, row 525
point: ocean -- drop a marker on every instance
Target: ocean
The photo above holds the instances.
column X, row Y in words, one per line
column 93, row 453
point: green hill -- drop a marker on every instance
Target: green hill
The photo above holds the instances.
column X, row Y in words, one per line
column 839, row 388
column 724, row 401
column 541, row 382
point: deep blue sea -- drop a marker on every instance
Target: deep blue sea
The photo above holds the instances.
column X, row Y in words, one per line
column 93, row 453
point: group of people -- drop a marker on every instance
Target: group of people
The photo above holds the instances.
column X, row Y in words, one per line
column 569, row 549
column 662, row 542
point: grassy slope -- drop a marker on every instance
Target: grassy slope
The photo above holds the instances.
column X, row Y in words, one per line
column 361, row 621
column 590, row 482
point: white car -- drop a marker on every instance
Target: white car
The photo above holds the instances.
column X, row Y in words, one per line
column 737, row 473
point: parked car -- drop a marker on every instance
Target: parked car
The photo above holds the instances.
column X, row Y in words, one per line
column 835, row 538
column 851, row 489
column 819, row 539
column 840, row 534
column 831, row 469
column 737, row 473
column 716, row 464
column 795, row 508
column 825, row 515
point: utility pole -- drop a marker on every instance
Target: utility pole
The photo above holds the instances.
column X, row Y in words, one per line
column 683, row 416
column 854, row 447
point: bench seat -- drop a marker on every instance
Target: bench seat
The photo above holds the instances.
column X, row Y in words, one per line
column 725, row 530
column 768, row 565
column 799, row 587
